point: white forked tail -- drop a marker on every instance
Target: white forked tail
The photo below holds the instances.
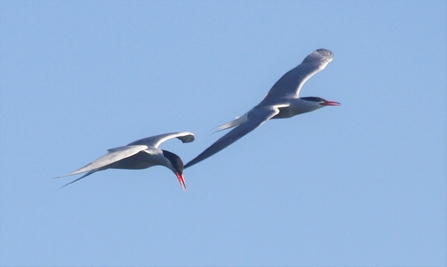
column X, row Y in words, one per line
column 236, row 122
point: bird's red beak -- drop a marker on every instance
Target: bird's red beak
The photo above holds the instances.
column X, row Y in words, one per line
column 181, row 180
column 330, row 103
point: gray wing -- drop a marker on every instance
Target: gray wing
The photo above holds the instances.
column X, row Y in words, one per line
column 155, row 141
column 290, row 83
column 255, row 118
column 114, row 155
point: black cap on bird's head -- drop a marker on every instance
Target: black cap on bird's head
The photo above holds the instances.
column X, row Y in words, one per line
column 320, row 101
column 177, row 166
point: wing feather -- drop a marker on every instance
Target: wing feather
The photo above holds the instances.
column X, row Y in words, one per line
column 290, row 83
column 114, row 155
column 156, row 140
column 255, row 118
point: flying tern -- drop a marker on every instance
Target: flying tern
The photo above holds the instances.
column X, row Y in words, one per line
column 282, row 101
column 140, row 154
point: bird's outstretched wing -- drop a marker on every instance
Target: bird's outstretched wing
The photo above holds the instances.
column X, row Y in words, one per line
column 290, row 83
column 254, row 118
column 156, row 140
column 114, row 155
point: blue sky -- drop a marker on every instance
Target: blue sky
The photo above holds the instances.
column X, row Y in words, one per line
column 360, row 184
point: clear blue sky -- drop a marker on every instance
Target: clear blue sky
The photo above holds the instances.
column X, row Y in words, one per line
column 360, row 184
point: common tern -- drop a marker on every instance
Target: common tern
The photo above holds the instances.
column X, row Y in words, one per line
column 282, row 101
column 140, row 154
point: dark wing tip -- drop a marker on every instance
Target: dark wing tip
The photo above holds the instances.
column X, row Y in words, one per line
column 187, row 138
column 319, row 56
column 192, row 162
column 325, row 51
